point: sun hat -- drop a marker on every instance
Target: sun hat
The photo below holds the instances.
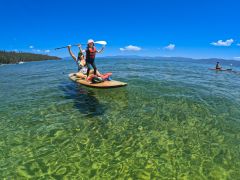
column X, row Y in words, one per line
column 90, row 41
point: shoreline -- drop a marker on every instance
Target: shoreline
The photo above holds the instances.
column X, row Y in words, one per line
column 10, row 57
column 23, row 62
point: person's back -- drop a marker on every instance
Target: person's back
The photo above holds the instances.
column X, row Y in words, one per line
column 218, row 66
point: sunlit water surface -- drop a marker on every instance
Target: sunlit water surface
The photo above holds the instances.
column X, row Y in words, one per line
column 175, row 120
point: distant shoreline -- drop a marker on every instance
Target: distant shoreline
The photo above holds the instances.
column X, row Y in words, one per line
column 11, row 57
column 164, row 57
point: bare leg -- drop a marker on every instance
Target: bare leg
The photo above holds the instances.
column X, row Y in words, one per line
column 92, row 72
column 81, row 75
column 98, row 73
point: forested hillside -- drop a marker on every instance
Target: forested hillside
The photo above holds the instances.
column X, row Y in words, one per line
column 16, row 57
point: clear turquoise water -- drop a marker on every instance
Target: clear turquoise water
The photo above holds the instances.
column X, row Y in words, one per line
column 174, row 120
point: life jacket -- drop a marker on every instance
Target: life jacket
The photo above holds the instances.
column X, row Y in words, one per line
column 91, row 53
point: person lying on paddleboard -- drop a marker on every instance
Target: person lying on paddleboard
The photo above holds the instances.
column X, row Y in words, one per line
column 81, row 63
column 218, row 67
column 90, row 56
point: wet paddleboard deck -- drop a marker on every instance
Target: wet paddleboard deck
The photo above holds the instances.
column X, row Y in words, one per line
column 105, row 84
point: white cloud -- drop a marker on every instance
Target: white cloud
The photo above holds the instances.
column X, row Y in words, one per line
column 131, row 48
column 237, row 58
column 238, row 44
column 223, row 43
column 170, row 47
column 31, row 47
column 41, row 51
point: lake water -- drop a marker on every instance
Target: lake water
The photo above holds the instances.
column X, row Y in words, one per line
column 175, row 120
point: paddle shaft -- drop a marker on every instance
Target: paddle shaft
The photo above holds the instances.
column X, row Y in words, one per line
column 97, row 42
column 67, row 46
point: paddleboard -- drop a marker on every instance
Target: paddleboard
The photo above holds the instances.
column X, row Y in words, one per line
column 220, row 69
column 105, row 84
column 225, row 70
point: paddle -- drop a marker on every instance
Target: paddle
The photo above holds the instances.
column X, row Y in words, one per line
column 97, row 42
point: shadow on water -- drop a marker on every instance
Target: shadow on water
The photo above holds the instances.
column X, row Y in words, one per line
column 84, row 99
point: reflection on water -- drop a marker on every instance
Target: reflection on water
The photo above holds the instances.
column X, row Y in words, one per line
column 84, row 100
column 174, row 120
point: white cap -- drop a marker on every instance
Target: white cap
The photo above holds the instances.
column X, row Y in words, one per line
column 90, row 41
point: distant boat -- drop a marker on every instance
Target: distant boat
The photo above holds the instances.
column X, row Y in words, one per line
column 20, row 62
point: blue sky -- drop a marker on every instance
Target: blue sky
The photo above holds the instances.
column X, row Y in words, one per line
column 144, row 27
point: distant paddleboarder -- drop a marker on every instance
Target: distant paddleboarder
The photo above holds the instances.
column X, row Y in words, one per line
column 218, row 67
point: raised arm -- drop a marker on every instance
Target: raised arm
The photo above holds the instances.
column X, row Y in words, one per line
column 101, row 50
column 71, row 53
column 80, row 48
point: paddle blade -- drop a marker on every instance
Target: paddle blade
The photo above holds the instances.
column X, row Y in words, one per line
column 101, row 42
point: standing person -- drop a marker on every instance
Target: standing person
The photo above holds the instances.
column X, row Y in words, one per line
column 218, row 67
column 90, row 56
